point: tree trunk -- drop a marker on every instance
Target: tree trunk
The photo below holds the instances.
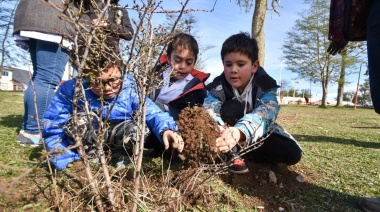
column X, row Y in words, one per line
column 324, row 96
column 258, row 30
column 325, row 82
column 342, row 79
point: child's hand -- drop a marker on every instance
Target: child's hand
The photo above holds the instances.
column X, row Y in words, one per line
column 173, row 137
column 229, row 137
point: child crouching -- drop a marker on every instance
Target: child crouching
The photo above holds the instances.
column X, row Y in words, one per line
column 244, row 96
column 100, row 90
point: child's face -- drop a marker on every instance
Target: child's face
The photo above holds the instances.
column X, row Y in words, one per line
column 182, row 62
column 110, row 81
column 238, row 70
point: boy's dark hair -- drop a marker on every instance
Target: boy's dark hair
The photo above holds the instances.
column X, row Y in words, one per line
column 242, row 43
column 185, row 41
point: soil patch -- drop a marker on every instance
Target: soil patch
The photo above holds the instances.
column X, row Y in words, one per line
column 178, row 189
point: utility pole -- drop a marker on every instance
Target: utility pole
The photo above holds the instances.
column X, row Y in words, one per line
column 280, row 79
column 357, row 87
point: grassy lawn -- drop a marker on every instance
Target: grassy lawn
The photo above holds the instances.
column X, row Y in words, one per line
column 14, row 159
column 342, row 152
column 341, row 163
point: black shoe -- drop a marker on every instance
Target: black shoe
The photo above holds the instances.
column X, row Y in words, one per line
column 367, row 204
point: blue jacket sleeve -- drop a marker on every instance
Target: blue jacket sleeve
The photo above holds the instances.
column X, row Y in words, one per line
column 212, row 105
column 157, row 120
column 262, row 119
column 55, row 118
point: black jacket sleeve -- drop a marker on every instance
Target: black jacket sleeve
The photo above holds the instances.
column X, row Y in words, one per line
column 124, row 30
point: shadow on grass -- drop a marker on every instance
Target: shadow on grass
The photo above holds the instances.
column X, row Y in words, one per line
column 287, row 193
column 36, row 154
column 12, row 121
column 367, row 127
column 312, row 138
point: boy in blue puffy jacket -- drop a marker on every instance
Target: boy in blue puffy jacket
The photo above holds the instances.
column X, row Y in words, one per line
column 58, row 134
column 243, row 101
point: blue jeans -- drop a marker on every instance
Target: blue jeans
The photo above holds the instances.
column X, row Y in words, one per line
column 49, row 61
column 373, row 48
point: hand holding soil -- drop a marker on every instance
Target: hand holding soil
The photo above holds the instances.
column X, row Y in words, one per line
column 174, row 138
column 229, row 137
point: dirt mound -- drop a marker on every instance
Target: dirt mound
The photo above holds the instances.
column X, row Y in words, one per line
column 199, row 132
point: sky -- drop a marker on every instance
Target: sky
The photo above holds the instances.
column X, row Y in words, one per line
column 228, row 19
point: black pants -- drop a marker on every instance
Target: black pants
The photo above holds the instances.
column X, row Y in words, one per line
column 277, row 149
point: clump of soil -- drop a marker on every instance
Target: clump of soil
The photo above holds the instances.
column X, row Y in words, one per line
column 199, row 132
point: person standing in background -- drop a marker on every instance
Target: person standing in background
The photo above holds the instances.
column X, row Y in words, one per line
column 117, row 25
column 368, row 204
column 38, row 28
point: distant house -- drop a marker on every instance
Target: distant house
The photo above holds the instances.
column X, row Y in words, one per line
column 293, row 100
column 14, row 79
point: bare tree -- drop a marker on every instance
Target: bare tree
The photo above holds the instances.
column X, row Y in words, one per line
column 142, row 55
column 347, row 62
column 188, row 24
column 258, row 21
column 306, row 44
column 10, row 53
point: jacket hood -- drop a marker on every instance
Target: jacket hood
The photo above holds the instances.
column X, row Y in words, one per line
column 202, row 76
column 164, row 59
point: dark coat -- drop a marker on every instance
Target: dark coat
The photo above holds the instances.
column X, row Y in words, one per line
column 260, row 83
column 34, row 15
column 118, row 23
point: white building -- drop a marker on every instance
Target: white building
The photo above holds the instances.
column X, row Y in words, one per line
column 14, row 79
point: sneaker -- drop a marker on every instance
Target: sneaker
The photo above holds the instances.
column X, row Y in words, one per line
column 367, row 204
column 26, row 139
column 122, row 135
column 123, row 162
column 235, row 163
column 238, row 166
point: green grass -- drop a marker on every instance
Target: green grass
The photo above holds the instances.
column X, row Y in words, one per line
column 342, row 152
column 14, row 159
column 341, row 162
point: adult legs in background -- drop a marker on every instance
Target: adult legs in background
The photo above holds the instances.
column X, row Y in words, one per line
column 49, row 61
column 373, row 47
